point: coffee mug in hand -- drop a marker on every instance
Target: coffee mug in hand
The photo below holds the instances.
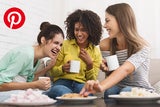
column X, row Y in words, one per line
column 43, row 78
column 112, row 62
column 74, row 66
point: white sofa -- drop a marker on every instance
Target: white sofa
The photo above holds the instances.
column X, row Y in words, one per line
column 154, row 73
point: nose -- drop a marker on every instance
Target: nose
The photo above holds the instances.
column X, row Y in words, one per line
column 105, row 25
column 58, row 47
column 79, row 33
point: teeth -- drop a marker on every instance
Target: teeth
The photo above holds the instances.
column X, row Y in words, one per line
column 108, row 30
column 53, row 51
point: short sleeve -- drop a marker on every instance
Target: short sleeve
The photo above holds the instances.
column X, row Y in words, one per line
column 140, row 57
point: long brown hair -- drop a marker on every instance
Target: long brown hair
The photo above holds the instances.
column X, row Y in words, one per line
column 127, row 24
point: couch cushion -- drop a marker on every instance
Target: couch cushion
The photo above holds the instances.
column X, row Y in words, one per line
column 157, row 87
column 154, row 73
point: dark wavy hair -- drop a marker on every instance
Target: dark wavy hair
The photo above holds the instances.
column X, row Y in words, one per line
column 90, row 21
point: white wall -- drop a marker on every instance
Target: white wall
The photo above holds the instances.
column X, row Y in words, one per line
column 55, row 11
column 36, row 11
column 147, row 14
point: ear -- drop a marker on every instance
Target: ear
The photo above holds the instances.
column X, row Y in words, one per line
column 43, row 40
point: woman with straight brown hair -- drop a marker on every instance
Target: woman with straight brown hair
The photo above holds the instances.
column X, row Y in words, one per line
column 132, row 51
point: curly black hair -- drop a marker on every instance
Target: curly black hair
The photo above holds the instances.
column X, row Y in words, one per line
column 90, row 21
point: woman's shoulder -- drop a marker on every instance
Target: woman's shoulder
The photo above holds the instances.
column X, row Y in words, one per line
column 20, row 53
column 104, row 44
column 25, row 48
column 21, row 49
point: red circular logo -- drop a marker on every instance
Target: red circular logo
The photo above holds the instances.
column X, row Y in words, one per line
column 14, row 18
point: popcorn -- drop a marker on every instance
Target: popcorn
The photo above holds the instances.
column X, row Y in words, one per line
column 138, row 92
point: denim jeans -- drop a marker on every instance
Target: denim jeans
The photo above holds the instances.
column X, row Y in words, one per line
column 114, row 90
column 63, row 86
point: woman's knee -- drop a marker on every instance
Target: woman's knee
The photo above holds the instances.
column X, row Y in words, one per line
column 58, row 90
column 127, row 88
column 111, row 91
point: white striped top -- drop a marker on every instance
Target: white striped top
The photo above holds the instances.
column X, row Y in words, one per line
column 141, row 61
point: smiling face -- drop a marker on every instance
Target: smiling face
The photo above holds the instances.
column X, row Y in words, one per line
column 81, row 34
column 111, row 25
column 53, row 46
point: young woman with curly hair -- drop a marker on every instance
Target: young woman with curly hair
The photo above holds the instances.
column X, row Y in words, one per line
column 84, row 31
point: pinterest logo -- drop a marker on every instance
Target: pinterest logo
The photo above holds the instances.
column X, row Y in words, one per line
column 14, row 18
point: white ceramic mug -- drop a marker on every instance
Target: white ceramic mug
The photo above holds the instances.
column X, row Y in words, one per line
column 112, row 62
column 74, row 66
column 43, row 78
